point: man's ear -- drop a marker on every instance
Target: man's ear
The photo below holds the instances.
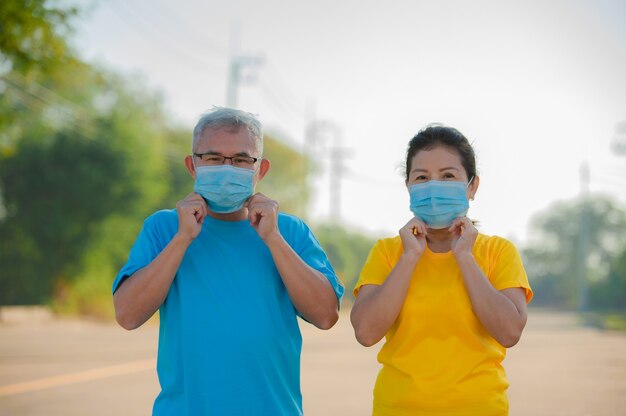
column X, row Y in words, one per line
column 189, row 165
column 264, row 168
column 473, row 187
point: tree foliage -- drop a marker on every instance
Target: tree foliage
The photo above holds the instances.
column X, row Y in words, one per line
column 85, row 156
column 347, row 251
column 286, row 180
column 33, row 33
column 574, row 237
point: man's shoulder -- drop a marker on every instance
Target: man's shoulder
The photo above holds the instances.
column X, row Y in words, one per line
column 294, row 229
column 162, row 218
column 290, row 220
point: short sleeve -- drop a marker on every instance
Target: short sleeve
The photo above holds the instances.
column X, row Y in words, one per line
column 306, row 245
column 145, row 249
column 376, row 268
column 507, row 270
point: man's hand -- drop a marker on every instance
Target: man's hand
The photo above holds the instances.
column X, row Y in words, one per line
column 263, row 215
column 191, row 213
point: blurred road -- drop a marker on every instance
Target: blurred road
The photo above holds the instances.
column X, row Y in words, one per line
column 72, row 368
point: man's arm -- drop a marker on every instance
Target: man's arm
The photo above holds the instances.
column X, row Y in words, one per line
column 309, row 290
column 140, row 296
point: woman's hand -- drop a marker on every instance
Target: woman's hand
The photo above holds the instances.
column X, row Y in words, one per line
column 463, row 236
column 413, row 236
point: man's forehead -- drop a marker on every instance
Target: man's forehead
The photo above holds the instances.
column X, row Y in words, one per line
column 227, row 136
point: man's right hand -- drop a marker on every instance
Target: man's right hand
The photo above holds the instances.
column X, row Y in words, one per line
column 191, row 213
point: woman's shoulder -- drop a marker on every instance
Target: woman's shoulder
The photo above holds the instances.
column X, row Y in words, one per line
column 390, row 242
column 494, row 243
column 389, row 246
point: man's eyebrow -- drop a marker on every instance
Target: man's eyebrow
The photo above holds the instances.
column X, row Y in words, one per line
column 213, row 152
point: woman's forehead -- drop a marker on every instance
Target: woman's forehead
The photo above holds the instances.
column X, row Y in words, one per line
column 436, row 156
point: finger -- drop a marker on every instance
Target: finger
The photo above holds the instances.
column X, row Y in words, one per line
column 250, row 200
column 419, row 225
column 457, row 223
column 205, row 207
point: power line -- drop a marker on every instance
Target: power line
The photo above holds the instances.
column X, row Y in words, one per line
column 189, row 28
column 289, row 95
column 274, row 101
column 81, row 121
column 198, row 64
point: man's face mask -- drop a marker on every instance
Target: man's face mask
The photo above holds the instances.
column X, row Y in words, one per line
column 438, row 203
column 225, row 188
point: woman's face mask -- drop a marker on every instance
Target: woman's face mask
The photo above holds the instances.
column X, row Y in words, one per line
column 438, row 203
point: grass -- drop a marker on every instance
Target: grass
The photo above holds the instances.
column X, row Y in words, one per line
column 609, row 321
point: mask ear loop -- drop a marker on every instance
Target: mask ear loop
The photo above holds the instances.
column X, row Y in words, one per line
column 468, row 185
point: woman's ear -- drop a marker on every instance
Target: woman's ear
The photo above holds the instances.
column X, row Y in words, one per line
column 473, row 187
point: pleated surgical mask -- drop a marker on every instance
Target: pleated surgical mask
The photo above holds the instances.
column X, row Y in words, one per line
column 225, row 188
column 438, row 203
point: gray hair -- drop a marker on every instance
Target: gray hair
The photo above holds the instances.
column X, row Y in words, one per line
column 229, row 117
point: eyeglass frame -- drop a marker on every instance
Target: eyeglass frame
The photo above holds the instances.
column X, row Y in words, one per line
column 232, row 162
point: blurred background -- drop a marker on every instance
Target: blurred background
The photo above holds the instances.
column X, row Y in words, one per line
column 98, row 100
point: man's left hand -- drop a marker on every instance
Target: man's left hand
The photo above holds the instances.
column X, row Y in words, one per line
column 263, row 215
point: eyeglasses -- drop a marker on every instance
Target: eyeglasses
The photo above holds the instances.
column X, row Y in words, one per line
column 239, row 161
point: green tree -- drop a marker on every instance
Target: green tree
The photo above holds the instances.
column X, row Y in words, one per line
column 286, row 180
column 88, row 154
column 347, row 251
column 33, row 43
column 33, row 33
column 559, row 253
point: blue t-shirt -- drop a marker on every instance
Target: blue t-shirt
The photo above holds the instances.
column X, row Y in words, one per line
column 229, row 341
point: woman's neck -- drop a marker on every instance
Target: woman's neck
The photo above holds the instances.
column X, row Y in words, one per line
column 439, row 241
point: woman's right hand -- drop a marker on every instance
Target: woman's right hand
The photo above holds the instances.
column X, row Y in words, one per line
column 413, row 236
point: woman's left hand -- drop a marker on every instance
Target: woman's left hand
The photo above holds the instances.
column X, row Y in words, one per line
column 464, row 236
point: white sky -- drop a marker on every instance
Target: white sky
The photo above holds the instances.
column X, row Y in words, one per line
column 538, row 87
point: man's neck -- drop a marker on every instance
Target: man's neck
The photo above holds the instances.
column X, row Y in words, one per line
column 240, row 215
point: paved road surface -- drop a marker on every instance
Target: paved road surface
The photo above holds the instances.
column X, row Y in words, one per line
column 81, row 368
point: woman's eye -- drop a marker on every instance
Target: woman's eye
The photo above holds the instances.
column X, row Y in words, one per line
column 448, row 176
column 420, row 178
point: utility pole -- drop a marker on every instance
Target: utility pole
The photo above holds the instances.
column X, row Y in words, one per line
column 307, row 151
column 326, row 136
column 583, row 238
column 618, row 144
column 241, row 69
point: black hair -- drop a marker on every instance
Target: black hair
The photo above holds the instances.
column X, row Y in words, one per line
column 439, row 135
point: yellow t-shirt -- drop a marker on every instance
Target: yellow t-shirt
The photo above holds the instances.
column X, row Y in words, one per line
column 438, row 359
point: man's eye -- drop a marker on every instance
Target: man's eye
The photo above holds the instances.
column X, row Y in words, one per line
column 212, row 158
column 242, row 160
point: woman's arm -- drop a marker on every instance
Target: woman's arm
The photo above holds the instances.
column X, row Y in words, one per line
column 502, row 313
column 377, row 307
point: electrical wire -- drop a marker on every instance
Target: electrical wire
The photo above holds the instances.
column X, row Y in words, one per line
column 189, row 60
